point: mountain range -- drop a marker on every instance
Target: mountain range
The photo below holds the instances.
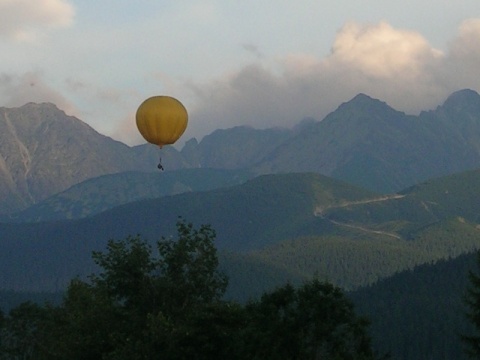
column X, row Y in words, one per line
column 364, row 142
column 369, row 144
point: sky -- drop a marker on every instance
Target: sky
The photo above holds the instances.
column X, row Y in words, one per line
column 262, row 63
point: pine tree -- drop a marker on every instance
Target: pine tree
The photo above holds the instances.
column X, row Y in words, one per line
column 472, row 300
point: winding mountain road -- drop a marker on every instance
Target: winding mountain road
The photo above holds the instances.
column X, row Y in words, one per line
column 319, row 212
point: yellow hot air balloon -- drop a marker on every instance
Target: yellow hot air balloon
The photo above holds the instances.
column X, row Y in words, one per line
column 161, row 120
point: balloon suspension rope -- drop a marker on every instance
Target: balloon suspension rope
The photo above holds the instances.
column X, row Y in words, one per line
column 160, row 166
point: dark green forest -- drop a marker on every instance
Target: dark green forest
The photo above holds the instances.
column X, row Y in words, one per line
column 398, row 258
column 296, row 224
column 169, row 305
column 420, row 313
column 170, row 299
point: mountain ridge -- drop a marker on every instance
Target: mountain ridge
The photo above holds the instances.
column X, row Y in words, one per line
column 379, row 148
column 105, row 192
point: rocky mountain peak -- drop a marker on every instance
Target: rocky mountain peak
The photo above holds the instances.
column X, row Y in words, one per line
column 365, row 103
column 462, row 100
column 44, row 151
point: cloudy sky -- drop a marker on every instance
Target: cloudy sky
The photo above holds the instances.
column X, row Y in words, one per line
column 262, row 63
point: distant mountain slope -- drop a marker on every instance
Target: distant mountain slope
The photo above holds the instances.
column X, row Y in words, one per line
column 108, row 191
column 369, row 144
column 377, row 237
column 235, row 148
column 350, row 258
column 44, row 151
column 419, row 206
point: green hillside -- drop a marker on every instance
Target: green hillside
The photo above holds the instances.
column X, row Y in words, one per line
column 417, row 207
column 378, row 237
column 284, row 226
column 419, row 314
column 350, row 260
column 263, row 211
column 106, row 192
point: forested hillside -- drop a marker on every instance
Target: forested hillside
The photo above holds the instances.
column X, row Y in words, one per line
column 415, row 314
column 300, row 224
column 349, row 259
column 106, row 192
column 420, row 314
column 168, row 304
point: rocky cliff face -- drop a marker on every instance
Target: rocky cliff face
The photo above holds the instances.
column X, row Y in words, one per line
column 44, row 151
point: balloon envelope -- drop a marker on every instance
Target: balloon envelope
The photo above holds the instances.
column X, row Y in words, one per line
column 161, row 120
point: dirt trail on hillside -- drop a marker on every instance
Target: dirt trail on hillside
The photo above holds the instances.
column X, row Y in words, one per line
column 319, row 212
column 359, row 202
column 361, row 228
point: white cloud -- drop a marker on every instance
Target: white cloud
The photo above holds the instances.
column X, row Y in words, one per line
column 395, row 65
column 27, row 19
column 381, row 51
